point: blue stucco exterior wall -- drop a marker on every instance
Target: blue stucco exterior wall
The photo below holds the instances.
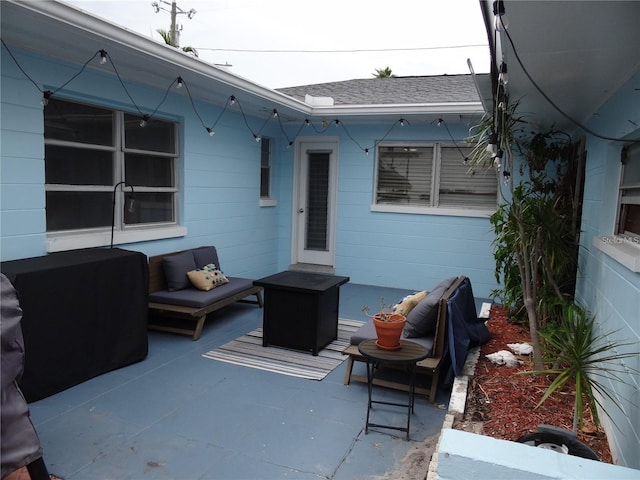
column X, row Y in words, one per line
column 219, row 180
column 607, row 288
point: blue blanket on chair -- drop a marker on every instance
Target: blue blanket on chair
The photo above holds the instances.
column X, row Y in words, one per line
column 466, row 330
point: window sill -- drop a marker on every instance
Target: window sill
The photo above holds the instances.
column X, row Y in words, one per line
column 268, row 202
column 624, row 250
column 455, row 212
column 61, row 243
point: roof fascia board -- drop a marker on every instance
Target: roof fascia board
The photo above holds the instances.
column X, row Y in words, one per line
column 401, row 109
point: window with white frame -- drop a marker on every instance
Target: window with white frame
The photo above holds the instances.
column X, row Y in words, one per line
column 432, row 176
column 265, row 168
column 629, row 198
column 88, row 151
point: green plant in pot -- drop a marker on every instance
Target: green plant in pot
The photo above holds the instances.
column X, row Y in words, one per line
column 388, row 324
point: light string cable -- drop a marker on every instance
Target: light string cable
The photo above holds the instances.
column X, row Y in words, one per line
column 145, row 117
column 440, row 121
column 182, row 81
column 553, row 104
column 47, row 92
column 230, row 101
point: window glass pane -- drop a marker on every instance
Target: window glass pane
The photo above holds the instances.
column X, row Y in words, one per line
column 265, row 152
column 318, row 201
column 76, row 210
column 78, row 166
column 264, row 182
column 157, row 136
column 462, row 187
column 631, row 173
column 148, row 207
column 75, row 122
column 149, row 170
column 404, row 175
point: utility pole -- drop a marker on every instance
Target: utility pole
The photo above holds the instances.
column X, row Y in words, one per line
column 174, row 31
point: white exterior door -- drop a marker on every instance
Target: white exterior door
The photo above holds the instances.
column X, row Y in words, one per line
column 314, row 205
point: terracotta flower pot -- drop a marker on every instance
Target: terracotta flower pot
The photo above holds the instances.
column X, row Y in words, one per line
column 389, row 330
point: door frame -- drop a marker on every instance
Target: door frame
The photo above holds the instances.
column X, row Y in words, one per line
column 302, row 145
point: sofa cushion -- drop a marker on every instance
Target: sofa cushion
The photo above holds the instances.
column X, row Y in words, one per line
column 422, row 319
column 409, row 303
column 176, row 268
column 192, row 297
column 207, row 278
column 368, row 331
column 205, row 256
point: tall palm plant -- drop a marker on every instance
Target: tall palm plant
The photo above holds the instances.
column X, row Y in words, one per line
column 166, row 36
column 383, row 73
column 575, row 351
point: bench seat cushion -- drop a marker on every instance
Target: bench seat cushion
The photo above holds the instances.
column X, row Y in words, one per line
column 368, row 331
column 192, row 297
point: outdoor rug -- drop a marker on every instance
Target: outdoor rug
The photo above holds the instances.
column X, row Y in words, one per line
column 248, row 351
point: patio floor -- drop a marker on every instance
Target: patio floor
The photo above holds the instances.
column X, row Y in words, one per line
column 178, row 415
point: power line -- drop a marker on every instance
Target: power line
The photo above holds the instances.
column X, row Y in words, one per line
column 364, row 50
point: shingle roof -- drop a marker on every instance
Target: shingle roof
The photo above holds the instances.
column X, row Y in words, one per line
column 392, row 90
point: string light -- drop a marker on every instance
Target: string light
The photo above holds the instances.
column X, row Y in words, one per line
column 180, row 82
column 103, row 57
column 143, row 122
column 210, row 131
column 46, row 95
column 502, row 76
column 337, row 122
column 501, row 23
column 275, row 113
column 232, row 100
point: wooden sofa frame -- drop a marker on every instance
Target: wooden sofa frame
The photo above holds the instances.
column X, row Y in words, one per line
column 157, row 281
column 429, row 366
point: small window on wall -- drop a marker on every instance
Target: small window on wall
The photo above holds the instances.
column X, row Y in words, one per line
column 629, row 203
column 266, row 198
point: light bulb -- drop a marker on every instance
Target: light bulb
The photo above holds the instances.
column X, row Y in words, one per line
column 307, row 122
column 366, row 150
column 402, row 122
column 500, row 22
column 337, row 122
column 45, row 97
column 232, row 100
column 275, row 113
column 256, row 137
column 210, row 132
column 179, row 85
column 143, row 122
column 502, row 76
column 103, row 57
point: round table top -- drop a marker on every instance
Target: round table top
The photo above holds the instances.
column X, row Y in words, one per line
column 409, row 352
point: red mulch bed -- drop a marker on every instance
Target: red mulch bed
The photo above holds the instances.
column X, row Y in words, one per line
column 504, row 402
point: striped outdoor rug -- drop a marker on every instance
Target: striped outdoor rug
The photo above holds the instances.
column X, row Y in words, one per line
column 248, row 351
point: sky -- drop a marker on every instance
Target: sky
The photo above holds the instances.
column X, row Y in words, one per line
column 283, row 43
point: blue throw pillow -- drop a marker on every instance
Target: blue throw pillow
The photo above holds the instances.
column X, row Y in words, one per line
column 176, row 268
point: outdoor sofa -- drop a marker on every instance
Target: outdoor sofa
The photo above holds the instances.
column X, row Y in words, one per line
column 185, row 286
column 444, row 321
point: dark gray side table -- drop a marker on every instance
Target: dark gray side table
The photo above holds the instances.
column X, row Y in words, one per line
column 300, row 309
column 407, row 355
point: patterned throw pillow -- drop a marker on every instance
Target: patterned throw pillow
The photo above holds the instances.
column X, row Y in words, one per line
column 207, row 277
column 407, row 304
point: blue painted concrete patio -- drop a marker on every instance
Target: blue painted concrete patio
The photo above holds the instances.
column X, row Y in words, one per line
column 178, row 415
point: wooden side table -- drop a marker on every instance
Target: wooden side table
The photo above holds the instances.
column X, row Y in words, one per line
column 408, row 355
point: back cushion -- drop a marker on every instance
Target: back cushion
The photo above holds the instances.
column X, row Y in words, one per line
column 422, row 319
column 206, row 256
column 176, row 268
